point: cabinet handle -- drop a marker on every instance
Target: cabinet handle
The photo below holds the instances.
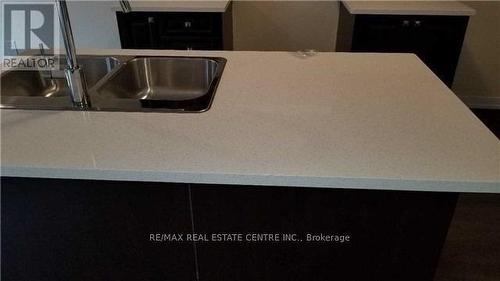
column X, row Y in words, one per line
column 406, row 23
column 151, row 21
column 187, row 24
column 417, row 23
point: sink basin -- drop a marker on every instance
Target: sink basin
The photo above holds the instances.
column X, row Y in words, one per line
column 27, row 83
column 48, row 89
column 148, row 84
column 184, row 84
column 96, row 68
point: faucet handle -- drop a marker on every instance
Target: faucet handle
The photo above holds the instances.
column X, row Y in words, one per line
column 13, row 44
column 42, row 50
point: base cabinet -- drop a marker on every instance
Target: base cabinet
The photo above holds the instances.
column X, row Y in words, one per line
column 99, row 230
column 393, row 235
column 88, row 230
column 436, row 40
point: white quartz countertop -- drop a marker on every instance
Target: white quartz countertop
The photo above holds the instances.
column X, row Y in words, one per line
column 217, row 6
column 340, row 120
column 432, row 8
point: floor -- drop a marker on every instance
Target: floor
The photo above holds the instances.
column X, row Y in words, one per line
column 472, row 248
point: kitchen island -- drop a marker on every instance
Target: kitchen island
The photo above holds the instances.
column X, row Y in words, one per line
column 384, row 143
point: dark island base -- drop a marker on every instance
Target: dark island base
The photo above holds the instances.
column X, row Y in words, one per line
column 101, row 230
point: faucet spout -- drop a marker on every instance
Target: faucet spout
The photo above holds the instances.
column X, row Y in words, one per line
column 74, row 74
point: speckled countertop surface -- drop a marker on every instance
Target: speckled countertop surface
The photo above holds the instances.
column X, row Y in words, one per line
column 342, row 120
column 431, row 8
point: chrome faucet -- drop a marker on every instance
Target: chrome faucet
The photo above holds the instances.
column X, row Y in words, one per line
column 73, row 72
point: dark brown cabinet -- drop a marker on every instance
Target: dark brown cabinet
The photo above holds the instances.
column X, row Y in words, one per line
column 436, row 40
column 93, row 230
column 138, row 30
column 54, row 229
column 390, row 233
column 176, row 30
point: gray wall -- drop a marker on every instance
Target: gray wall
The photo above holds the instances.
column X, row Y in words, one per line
column 285, row 25
column 478, row 74
column 94, row 23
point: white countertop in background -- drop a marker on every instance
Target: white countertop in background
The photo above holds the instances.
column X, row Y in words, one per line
column 342, row 120
column 433, row 8
column 218, row 6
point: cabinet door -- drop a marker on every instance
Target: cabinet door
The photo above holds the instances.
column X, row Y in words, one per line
column 190, row 24
column 171, row 30
column 437, row 40
column 391, row 236
column 382, row 34
column 93, row 230
column 137, row 30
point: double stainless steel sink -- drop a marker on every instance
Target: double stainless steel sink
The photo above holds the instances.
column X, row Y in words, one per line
column 166, row 84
